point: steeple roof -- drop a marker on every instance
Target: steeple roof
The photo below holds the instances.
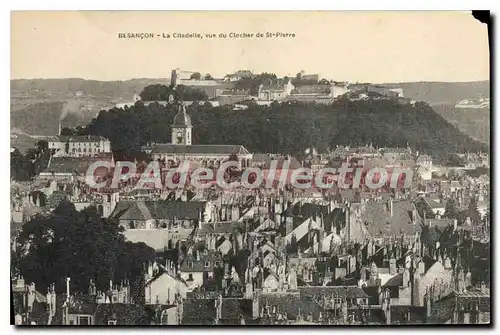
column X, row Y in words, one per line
column 182, row 119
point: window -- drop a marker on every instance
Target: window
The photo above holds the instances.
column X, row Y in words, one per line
column 190, row 264
column 190, row 278
column 207, row 264
column 217, row 263
column 111, row 322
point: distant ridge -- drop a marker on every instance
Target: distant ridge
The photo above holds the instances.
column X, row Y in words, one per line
column 443, row 92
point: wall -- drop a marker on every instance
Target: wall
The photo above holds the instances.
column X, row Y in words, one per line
column 165, row 287
column 338, row 90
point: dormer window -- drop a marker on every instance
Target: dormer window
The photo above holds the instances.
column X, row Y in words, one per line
column 190, row 265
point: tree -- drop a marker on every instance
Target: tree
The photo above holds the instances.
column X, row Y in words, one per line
column 196, row 76
column 455, row 160
column 79, row 245
column 208, row 77
column 21, row 168
column 42, row 145
column 473, row 212
column 275, row 105
column 66, row 131
column 287, row 128
column 451, row 209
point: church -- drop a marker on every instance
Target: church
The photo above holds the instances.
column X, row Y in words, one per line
column 182, row 149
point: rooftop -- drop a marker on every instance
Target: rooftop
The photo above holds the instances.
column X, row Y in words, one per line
column 200, row 149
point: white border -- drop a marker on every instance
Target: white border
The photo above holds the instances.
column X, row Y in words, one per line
column 199, row 5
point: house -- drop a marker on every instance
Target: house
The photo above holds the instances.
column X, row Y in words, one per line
column 275, row 91
column 66, row 167
column 79, row 146
column 196, row 269
column 159, row 214
column 424, row 161
column 219, row 311
column 379, row 219
column 165, row 288
column 120, row 314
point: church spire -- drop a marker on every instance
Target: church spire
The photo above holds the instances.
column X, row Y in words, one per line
column 182, row 127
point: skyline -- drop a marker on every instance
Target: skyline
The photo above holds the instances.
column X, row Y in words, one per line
column 434, row 46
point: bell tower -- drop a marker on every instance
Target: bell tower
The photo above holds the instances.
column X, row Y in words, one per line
column 182, row 127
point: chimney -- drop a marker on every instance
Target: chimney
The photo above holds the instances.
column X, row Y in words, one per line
column 390, row 206
column 198, row 255
column 392, row 266
column 60, row 128
column 447, row 263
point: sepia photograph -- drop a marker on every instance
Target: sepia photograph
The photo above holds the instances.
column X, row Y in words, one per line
column 250, row 168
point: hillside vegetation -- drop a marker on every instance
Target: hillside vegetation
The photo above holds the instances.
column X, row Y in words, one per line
column 473, row 122
column 290, row 128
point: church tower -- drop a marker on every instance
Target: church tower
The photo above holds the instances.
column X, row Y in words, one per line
column 182, row 127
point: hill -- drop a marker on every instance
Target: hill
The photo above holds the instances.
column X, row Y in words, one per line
column 97, row 89
column 442, row 92
column 290, row 128
column 473, row 122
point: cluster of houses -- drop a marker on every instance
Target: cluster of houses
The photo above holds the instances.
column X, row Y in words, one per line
column 299, row 261
column 307, row 89
column 271, row 256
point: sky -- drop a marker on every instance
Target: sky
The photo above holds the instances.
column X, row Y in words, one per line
column 345, row 46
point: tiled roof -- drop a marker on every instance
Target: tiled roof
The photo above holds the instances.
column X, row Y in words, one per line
column 56, row 197
column 199, row 149
column 434, row 204
column 199, row 311
column 78, row 165
column 80, row 138
column 292, row 164
column 145, row 210
column 233, row 309
column 310, row 89
column 378, row 221
column 306, row 210
column 291, row 304
column 326, row 291
column 124, row 314
column 191, row 264
column 394, row 150
column 395, row 281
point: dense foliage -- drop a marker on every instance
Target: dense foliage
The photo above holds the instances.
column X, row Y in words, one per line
column 181, row 92
column 79, row 245
column 289, row 128
column 24, row 167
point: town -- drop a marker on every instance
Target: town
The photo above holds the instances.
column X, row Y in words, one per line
column 413, row 253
